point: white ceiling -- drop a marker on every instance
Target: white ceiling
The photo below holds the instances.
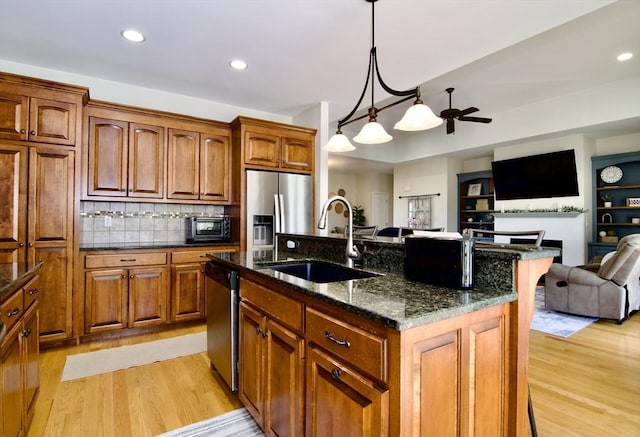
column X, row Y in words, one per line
column 498, row 54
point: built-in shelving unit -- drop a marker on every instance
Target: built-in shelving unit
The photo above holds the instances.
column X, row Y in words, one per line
column 475, row 200
column 615, row 220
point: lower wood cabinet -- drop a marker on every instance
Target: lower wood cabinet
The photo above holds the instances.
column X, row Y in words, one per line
column 19, row 363
column 125, row 298
column 341, row 401
column 126, row 289
column 271, row 369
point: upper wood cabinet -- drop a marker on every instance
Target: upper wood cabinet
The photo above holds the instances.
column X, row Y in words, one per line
column 125, row 159
column 32, row 111
column 198, row 165
column 274, row 145
column 134, row 153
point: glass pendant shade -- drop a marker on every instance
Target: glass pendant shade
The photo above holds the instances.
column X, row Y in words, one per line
column 339, row 143
column 372, row 133
column 418, row 117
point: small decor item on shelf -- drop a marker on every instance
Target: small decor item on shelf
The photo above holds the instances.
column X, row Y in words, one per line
column 635, row 220
column 611, row 174
column 482, row 205
column 474, row 190
column 611, row 237
column 633, row 202
column 607, row 218
column 607, row 200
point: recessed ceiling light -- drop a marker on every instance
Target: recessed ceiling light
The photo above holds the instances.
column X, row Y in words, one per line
column 238, row 64
column 625, row 56
column 132, row 35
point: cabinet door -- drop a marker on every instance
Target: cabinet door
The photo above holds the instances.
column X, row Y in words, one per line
column 284, row 381
column 107, row 157
column 341, row 401
column 146, row 161
column 262, row 149
column 215, row 151
column 297, row 154
column 50, row 235
column 31, row 350
column 187, row 292
column 251, row 388
column 105, row 300
column 13, row 202
column 183, row 161
column 11, row 387
column 147, row 296
column 14, row 116
column 52, row 122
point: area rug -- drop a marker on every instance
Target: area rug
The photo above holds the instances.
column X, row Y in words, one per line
column 235, row 423
column 555, row 323
column 123, row 357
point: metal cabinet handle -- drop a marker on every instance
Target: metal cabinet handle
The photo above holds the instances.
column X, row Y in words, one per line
column 26, row 333
column 13, row 312
column 127, row 260
column 21, row 245
column 22, row 131
column 124, row 276
column 32, row 132
column 132, row 276
column 34, row 291
column 330, row 337
column 335, row 373
column 30, row 244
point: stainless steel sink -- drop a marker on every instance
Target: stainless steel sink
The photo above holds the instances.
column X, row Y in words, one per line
column 320, row 271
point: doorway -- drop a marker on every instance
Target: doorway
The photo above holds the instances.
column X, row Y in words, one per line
column 379, row 209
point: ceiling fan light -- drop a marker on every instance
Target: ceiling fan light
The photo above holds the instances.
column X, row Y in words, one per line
column 372, row 133
column 418, row 117
column 339, row 143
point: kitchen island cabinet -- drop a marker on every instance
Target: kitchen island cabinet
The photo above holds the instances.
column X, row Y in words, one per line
column 421, row 360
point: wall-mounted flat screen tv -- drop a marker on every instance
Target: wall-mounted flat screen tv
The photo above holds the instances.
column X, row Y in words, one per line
column 538, row 176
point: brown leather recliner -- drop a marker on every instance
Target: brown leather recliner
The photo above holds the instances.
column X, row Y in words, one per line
column 612, row 292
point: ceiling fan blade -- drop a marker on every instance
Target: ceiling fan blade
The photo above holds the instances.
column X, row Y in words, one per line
column 476, row 119
column 467, row 111
column 450, row 127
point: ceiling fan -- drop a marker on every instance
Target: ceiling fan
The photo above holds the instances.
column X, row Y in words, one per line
column 453, row 113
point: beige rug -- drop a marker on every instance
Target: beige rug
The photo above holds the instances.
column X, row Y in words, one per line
column 123, row 357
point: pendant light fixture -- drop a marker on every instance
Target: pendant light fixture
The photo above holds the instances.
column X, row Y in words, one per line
column 418, row 117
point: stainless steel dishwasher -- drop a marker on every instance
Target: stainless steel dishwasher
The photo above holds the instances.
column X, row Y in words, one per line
column 222, row 322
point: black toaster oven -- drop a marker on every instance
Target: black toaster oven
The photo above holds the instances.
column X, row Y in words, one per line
column 203, row 229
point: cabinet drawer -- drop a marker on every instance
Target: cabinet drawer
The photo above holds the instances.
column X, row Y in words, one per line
column 125, row 259
column 12, row 309
column 287, row 311
column 31, row 292
column 195, row 256
column 353, row 345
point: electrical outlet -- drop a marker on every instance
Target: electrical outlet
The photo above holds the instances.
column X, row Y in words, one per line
column 107, row 222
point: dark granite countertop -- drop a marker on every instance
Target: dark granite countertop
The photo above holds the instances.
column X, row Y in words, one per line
column 154, row 245
column 389, row 299
column 15, row 275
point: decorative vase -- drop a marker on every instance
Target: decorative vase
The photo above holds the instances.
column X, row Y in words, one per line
column 607, row 204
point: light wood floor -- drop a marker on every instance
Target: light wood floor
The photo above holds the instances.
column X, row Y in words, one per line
column 585, row 385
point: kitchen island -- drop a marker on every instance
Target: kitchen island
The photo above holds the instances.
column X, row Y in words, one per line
column 387, row 356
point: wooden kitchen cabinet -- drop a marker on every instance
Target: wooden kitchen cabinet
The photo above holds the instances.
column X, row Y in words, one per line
column 39, row 227
column 125, row 159
column 27, row 118
column 271, row 360
column 272, row 145
column 132, row 296
column 199, row 165
column 19, row 360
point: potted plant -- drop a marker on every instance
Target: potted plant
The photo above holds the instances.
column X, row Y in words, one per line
column 607, row 199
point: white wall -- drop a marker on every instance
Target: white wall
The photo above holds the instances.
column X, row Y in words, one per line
column 425, row 177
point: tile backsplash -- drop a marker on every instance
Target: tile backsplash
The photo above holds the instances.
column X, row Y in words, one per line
column 132, row 222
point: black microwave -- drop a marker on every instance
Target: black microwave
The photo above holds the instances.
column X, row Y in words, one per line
column 203, row 229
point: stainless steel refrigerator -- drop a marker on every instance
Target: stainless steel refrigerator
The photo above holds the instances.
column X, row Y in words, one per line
column 277, row 203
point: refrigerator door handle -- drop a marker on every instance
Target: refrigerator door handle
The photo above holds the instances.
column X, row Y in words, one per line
column 276, row 206
column 283, row 225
